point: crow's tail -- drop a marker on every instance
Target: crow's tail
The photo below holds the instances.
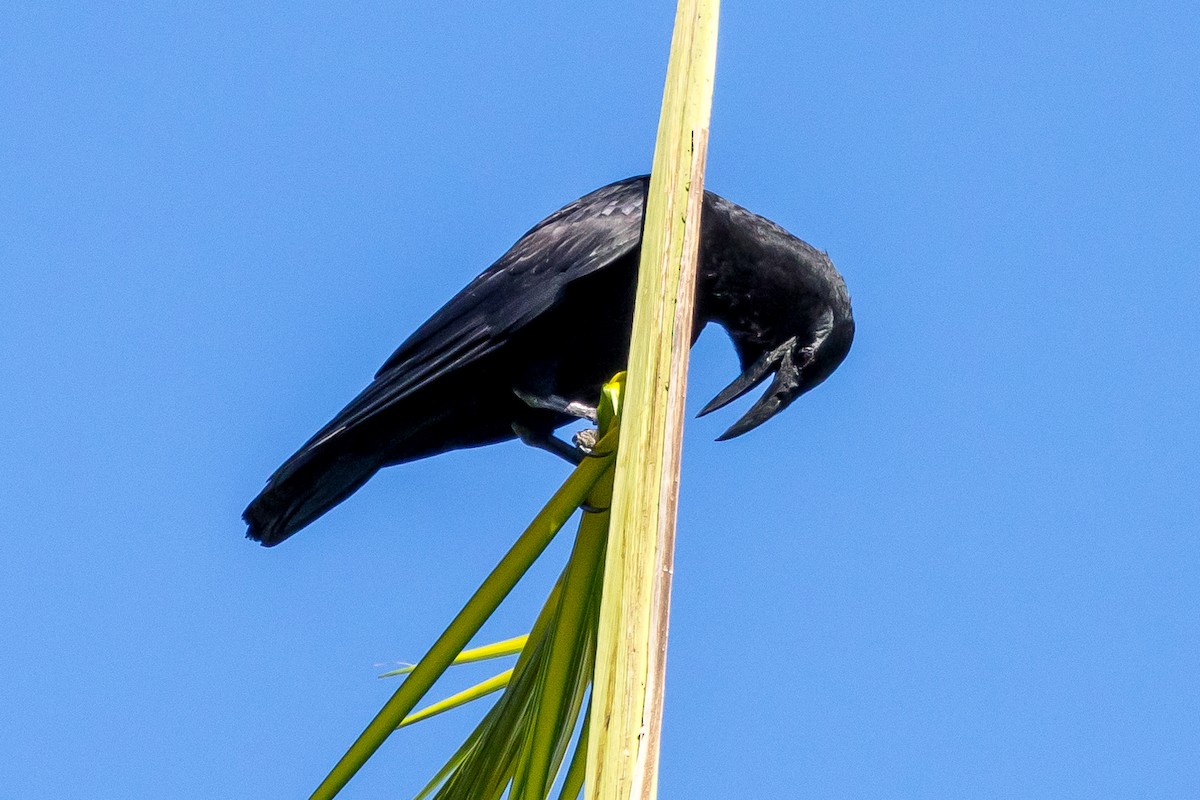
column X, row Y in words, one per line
column 309, row 484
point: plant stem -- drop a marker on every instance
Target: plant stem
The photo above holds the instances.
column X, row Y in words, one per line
column 622, row 759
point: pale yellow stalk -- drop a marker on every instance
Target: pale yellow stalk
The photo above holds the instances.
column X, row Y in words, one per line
column 625, row 723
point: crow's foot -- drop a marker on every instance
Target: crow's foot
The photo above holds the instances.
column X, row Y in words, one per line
column 549, row 443
column 553, row 402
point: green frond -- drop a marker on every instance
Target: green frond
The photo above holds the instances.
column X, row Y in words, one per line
column 481, row 689
column 508, row 647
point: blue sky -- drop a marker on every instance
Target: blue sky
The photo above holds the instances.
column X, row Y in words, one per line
column 966, row 566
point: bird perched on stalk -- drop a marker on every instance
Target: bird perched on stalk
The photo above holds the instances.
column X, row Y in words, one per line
column 526, row 347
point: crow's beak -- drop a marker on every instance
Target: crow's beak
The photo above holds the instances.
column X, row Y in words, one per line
column 751, row 377
column 779, row 394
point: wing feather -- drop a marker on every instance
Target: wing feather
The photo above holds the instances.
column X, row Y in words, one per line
column 575, row 241
column 524, row 283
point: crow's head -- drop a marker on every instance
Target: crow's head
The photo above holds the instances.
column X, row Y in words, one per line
column 792, row 319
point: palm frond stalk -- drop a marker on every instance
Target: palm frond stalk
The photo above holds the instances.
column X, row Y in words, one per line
column 627, row 698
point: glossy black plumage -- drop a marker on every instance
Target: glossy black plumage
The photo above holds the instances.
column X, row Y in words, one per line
column 551, row 318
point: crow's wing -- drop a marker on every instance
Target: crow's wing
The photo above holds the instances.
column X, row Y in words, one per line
column 524, row 283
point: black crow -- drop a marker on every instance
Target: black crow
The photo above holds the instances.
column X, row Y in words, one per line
column 527, row 345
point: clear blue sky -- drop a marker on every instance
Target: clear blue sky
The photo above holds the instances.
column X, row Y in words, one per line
column 966, row 566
